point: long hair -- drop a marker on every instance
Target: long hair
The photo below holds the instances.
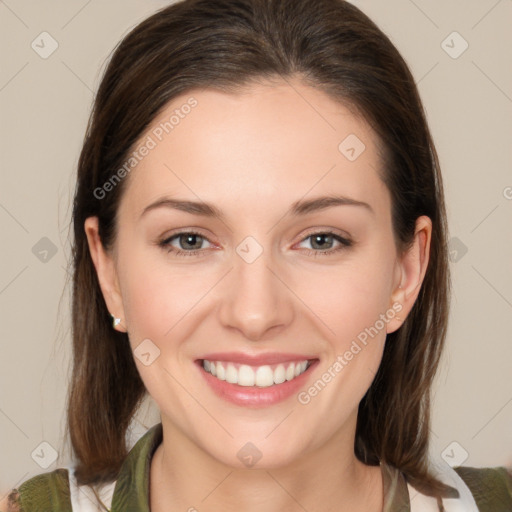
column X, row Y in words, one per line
column 228, row 44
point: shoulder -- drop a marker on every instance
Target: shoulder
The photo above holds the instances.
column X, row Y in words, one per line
column 46, row 491
column 491, row 487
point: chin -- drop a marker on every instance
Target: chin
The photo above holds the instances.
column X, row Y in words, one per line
column 264, row 454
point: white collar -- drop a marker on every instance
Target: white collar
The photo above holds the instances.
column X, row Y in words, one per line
column 465, row 503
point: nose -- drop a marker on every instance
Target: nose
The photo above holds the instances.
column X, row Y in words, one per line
column 256, row 299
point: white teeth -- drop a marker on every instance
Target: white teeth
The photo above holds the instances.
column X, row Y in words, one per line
column 231, row 374
column 260, row 376
column 279, row 374
column 246, row 376
column 221, row 372
column 264, row 376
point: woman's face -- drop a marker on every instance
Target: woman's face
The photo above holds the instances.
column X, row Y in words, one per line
column 271, row 276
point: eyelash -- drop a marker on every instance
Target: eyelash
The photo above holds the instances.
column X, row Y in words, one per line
column 345, row 244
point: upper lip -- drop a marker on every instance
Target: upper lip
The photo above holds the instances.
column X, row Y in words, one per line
column 256, row 360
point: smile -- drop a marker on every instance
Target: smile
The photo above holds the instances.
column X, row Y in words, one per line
column 255, row 376
column 256, row 380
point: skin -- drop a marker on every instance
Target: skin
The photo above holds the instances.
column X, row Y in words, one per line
column 252, row 155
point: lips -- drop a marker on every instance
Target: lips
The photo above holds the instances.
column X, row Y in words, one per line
column 255, row 380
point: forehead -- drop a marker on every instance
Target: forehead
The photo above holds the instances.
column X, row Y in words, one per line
column 265, row 142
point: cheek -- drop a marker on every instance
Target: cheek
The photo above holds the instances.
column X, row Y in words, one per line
column 159, row 302
column 352, row 302
column 158, row 295
column 351, row 296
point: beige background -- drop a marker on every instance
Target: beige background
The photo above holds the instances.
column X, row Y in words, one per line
column 45, row 104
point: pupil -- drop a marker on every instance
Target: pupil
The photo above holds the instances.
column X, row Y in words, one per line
column 320, row 237
column 189, row 238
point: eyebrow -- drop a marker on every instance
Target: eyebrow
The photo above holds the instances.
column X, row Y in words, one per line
column 301, row 207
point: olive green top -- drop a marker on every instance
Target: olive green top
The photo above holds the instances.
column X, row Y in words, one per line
column 491, row 487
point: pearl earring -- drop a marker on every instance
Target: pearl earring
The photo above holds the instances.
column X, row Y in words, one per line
column 115, row 321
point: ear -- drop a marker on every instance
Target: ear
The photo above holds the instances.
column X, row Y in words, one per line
column 410, row 272
column 106, row 271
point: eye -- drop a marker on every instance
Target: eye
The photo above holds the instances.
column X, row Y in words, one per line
column 323, row 239
column 193, row 240
column 185, row 239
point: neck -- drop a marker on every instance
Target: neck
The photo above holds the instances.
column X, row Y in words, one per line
column 184, row 477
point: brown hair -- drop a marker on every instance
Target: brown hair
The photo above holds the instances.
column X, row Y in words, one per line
column 227, row 44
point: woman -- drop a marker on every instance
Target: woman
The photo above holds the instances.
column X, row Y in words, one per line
column 259, row 244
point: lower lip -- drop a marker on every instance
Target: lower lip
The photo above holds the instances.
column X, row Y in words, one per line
column 252, row 395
